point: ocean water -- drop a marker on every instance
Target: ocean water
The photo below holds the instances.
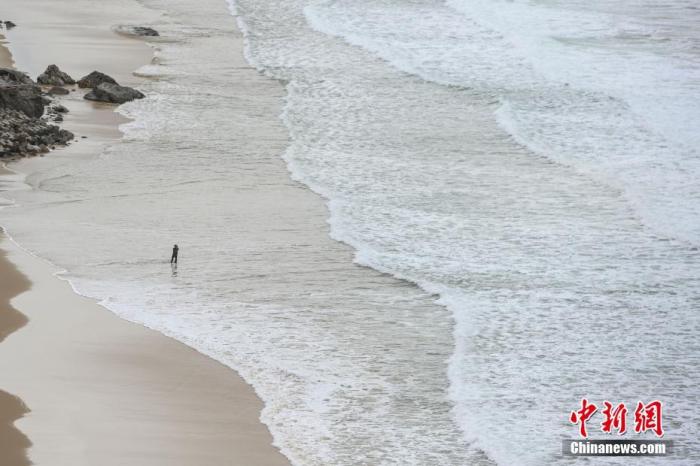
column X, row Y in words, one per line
column 532, row 166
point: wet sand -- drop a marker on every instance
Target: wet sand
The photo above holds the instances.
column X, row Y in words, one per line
column 102, row 390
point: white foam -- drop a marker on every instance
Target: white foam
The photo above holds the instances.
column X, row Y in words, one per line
column 585, row 88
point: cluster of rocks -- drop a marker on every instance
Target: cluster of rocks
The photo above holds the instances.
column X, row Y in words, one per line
column 22, row 130
column 22, row 135
column 106, row 89
column 26, row 111
column 55, row 112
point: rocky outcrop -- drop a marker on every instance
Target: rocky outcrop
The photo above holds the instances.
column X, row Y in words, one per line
column 23, row 135
column 9, row 24
column 94, row 79
column 53, row 76
column 113, row 93
column 18, row 92
column 140, row 31
column 22, row 130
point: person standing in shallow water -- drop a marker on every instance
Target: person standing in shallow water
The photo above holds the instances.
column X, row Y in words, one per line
column 173, row 259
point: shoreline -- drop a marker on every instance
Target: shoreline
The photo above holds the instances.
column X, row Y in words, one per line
column 182, row 406
column 280, row 291
column 120, row 392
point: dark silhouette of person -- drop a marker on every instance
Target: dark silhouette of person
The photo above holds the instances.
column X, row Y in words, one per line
column 173, row 259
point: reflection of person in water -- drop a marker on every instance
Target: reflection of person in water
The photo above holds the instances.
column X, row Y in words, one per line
column 173, row 259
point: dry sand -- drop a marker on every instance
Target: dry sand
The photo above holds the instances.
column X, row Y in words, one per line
column 13, row 283
column 13, row 443
column 102, row 390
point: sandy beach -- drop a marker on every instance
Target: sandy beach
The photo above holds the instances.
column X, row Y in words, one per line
column 95, row 389
column 399, row 224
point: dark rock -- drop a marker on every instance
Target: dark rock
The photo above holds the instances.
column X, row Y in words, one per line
column 9, row 24
column 53, row 76
column 113, row 93
column 20, row 96
column 64, row 136
column 10, row 76
column 23, row 130
column 58, row 91
column 60, row 108
column 140, row 31
column 94, row 79
column 146, row 31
